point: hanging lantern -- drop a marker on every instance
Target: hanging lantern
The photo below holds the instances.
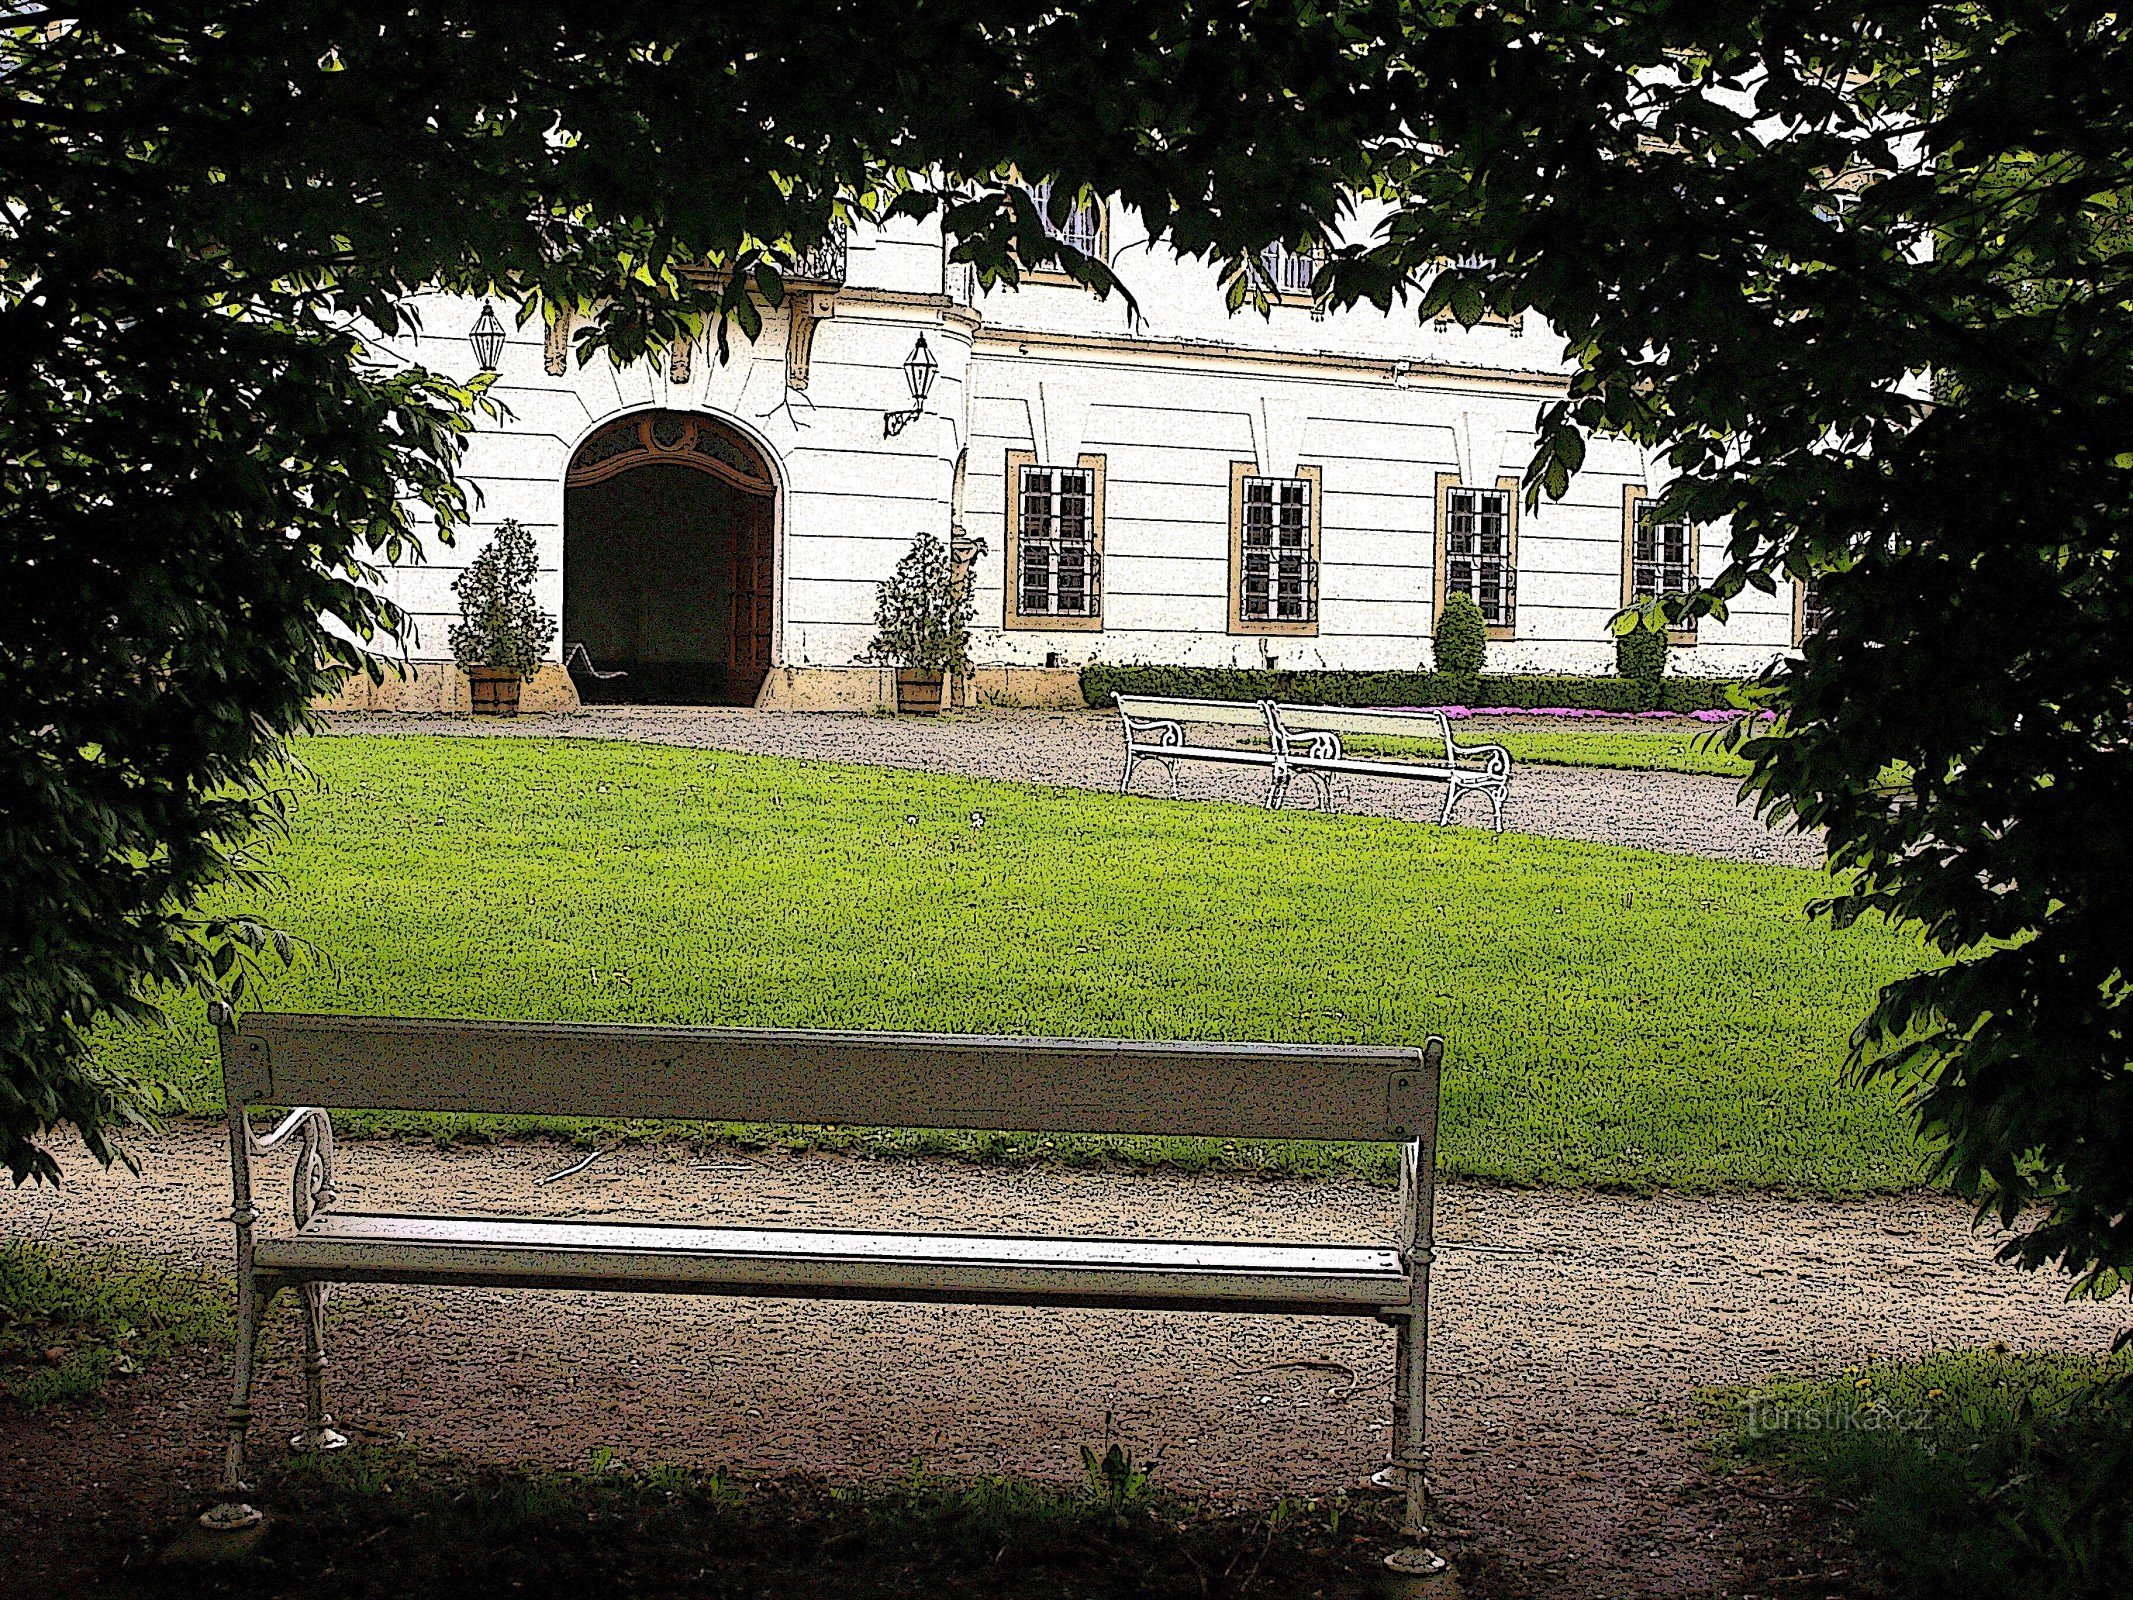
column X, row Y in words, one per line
column 919, row 369
column 487, row 338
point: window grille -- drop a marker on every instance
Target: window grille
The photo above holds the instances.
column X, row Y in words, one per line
column 1279, row 581
column 1477, row 552
column 1083, row 226
column 1056, row 568
column 1662, row 559
column 1814, row 606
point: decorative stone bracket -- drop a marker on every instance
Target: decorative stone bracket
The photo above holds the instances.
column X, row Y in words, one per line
column 803, row 312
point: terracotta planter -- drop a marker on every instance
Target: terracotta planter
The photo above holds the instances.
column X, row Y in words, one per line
column 918, row 692
column 494, row 691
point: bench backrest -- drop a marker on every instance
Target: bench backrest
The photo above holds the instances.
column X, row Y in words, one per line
column 1422, row 724
column 792, row 1075
column 1222, row 713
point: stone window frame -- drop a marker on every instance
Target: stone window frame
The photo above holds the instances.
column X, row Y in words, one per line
column 1013, row 616
column 1633, row 496
column 1040, row 193
column 1241, row 472
column 1499, row 632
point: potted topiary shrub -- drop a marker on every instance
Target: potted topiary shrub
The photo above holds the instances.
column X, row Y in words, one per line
column 501, row 634
column 1461, row 644
column 922, row 622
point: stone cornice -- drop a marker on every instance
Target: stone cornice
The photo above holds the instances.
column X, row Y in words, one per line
column 1127, row 349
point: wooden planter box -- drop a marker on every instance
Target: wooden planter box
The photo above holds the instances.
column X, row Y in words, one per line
column 918, row 692
column 494, row 691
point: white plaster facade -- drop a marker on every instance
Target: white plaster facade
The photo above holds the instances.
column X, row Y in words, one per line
column 1382, row 405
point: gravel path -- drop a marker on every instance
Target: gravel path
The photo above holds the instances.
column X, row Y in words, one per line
column 1678, row 812
column 1571, row 1331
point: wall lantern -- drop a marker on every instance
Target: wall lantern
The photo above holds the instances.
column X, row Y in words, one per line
column 919, row 368
column 487, row 338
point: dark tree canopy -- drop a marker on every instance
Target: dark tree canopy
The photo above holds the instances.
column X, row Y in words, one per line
column 1861, row 270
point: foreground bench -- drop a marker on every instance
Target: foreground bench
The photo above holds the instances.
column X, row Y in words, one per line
column 1234, row 1091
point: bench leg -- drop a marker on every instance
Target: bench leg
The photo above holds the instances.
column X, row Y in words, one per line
column 1410, row 1412
column 1277, row 791
column 1451, row 803
column 253, row 1299
column 319, row 1432
column 1496, row 800
column 1125, row 784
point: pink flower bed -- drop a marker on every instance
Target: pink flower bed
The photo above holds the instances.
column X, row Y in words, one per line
column 1579, row 711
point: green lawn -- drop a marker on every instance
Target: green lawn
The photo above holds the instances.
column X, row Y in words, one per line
column 1972, row 1474
column 71, row 1320
column 1672, row 746
column 1615, row 1017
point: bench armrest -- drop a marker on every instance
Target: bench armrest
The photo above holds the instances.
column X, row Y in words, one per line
column 1311, row 746
column 1495, row 759
column 1161, row 732
column 311, row 1188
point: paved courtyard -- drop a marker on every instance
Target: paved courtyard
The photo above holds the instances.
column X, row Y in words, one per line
column 1680, row 812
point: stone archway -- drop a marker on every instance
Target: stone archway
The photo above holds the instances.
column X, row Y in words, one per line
column 669, row 535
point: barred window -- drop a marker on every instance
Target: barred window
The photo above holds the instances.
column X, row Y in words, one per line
column 1083, row 226
column 1478, row 557
column 1814, row 606
column 1277, row 578
column 1057, row 572
column 1662, row 558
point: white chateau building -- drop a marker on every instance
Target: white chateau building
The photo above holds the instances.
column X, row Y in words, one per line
column 1299, row 489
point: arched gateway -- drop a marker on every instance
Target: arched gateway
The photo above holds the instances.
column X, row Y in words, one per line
column 669, row 529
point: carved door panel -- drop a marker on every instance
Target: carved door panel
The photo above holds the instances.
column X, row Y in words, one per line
column 753, row 565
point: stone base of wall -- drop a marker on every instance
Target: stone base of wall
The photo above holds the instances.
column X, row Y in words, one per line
column 1048, row 687
column 439, row 688
column 874, row 688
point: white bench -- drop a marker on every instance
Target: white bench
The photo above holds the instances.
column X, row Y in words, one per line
column 1155, row 728
column 909, row 1080
column 1288, row 739
column 1308, row 740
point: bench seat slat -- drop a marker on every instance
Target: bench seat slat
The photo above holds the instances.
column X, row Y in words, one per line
column 1362, row 767
column 841, row 1263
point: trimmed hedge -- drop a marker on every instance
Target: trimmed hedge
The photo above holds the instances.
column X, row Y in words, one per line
column 1527, row 691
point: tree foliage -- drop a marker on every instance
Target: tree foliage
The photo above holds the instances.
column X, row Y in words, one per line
column 1859, row 271
column 203, row 208
column 1763, row 231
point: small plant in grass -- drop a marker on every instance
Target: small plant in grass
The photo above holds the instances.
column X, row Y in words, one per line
column 1462, row 638
column 72, row 1320
column 500, row 626
column 1115, row 1478
column 922, row 613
